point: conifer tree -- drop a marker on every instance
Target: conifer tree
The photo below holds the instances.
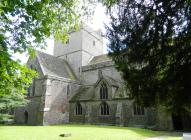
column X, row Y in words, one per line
column 150, row 43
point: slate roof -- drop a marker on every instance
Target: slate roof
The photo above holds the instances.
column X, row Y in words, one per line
column 111, row 81
column 86, row 93
column 54, row 66
column 99, row 59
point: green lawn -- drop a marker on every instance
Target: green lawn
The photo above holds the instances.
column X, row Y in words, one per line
column 80, row 132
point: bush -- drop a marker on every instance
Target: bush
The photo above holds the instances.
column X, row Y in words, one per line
column 6, row 119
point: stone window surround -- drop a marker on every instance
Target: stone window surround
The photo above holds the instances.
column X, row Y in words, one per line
column 138, row 110
column 104, row 110
column 78, row 109
column 103, row 91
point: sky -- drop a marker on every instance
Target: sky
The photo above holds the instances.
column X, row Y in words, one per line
column 97, row 22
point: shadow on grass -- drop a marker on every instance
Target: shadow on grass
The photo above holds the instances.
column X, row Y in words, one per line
column 138, row 131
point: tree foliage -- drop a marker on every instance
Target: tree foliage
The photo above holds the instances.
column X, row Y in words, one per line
column 8, row 103
column 24, row 26
column 150, row 43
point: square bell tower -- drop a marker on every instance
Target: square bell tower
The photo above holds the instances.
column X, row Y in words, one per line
column 81, row 47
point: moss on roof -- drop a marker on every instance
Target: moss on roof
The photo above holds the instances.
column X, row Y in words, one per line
column 52, row 65
column 111, row 81
column 84, row 93
column 99, row 59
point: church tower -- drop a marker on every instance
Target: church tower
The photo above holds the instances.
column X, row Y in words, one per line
column 81, row 47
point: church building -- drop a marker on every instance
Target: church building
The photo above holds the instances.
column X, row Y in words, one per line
column 80, row 84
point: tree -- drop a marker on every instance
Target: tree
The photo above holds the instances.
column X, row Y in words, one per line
column 150, row 43
column 24, row 26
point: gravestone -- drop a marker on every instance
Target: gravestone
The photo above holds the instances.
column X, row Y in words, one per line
column 65, row 135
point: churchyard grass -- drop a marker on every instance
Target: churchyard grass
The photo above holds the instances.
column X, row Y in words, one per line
column 81, row 132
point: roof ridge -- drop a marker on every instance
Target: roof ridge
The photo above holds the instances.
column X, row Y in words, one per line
column 50, row 55
column 100, row 58
column 69, row 70
column 102, row 55
column 55, row 66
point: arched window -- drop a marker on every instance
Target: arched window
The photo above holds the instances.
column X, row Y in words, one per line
column 138, row 110
column 104, row 109
column 103, row 92
column 78, row 109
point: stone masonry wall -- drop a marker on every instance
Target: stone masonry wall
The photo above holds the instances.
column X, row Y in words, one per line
column 90, row 72
column 35, row 116
column 56, row 100
column 128, row 117
column 34, row 108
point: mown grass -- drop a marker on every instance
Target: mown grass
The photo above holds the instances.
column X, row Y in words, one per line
column 80, row 132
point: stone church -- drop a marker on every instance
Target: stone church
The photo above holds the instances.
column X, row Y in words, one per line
column 80, row 84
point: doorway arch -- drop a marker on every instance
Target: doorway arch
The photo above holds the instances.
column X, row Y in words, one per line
column 26, row 117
